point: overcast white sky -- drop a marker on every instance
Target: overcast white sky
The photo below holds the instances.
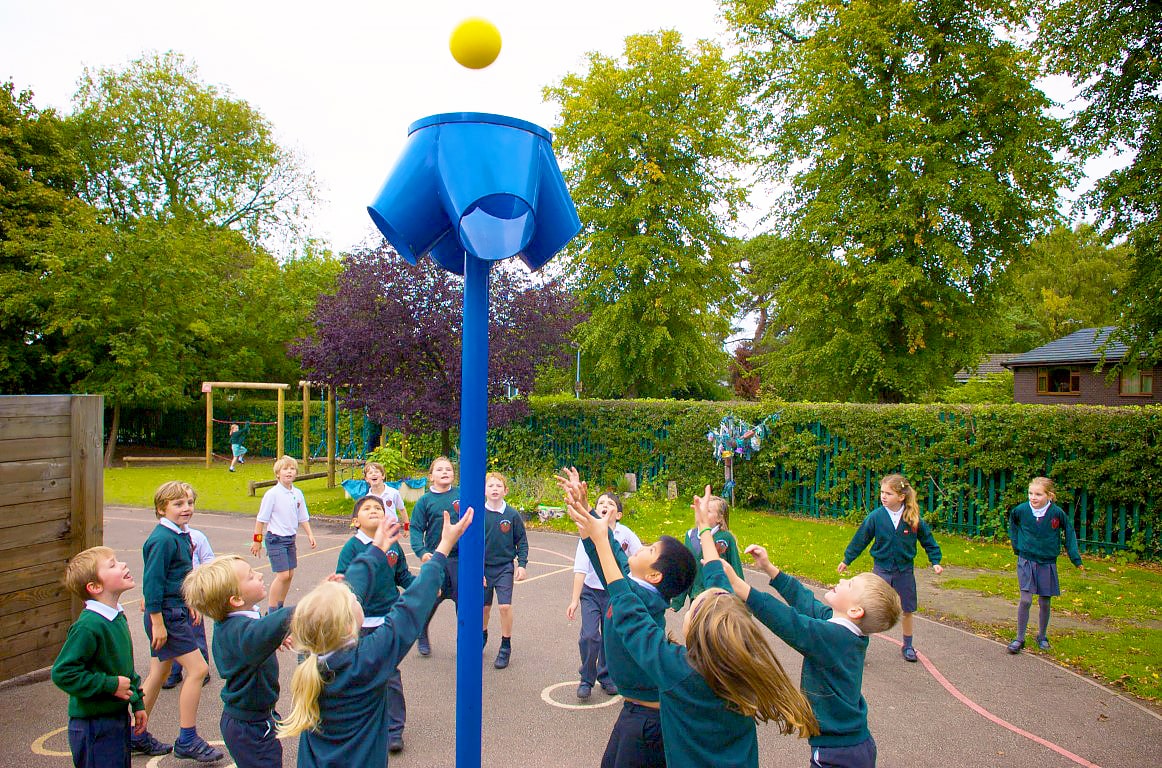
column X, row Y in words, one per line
column 340, row 80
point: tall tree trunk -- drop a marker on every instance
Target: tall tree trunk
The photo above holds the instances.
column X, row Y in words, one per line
column 446, row 442
column 111, row 444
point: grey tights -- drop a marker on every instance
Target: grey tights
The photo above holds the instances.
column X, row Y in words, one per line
column 1023, row 615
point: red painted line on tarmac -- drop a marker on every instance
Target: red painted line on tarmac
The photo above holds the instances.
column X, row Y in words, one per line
column 977, row 708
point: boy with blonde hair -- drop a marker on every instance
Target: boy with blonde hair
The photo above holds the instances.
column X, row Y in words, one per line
column 282, row 511
column 227, row 589
column 95, row 665
column 504, row 541
column 833, row 640
column 169, row 623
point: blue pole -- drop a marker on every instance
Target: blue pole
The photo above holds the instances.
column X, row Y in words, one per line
column 473, row 462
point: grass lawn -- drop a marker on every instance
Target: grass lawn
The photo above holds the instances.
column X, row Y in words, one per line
column 1122, row 603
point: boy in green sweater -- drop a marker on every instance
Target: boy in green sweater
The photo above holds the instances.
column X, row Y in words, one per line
column 227, row 590
column 833, row 639
column 95, row 665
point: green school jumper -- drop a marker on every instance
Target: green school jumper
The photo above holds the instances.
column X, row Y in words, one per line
column 168, row 558
column 96, row 652
column 833, row 658
column 1040, row 541
column 894, row 547
column 387, row 582
column 428, row 521
column 504, row 538
column 698, row 728
column 727, row 547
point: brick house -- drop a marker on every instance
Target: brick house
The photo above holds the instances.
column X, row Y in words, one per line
column 1063, row 373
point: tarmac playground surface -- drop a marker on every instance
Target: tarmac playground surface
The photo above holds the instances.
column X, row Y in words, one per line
column 967, row 703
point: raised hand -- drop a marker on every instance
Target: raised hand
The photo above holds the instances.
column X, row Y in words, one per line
column 589, row 527
column 575, row 491
column 701, row 507
column 386, row 535
column 453, row 531
column 841, row 568
column 762, row 560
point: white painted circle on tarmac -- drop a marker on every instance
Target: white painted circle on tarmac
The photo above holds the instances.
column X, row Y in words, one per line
column 545, row 697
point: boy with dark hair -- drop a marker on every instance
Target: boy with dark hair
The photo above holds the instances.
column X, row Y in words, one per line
column 656, row 574
column 95, row 665
column 833, row 640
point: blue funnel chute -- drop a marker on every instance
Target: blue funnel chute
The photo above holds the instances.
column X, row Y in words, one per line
column 475, row 184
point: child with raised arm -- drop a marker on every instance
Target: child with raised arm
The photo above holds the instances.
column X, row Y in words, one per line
column 169, row 623
column 833, row 639
column 895, row 528
column 713, row 690
column 504, row 541
column 338, row 690
column 442, row 497
column 1037, row 529
column 724, row 543
column 282, row 511
column 95, row 665
column 368, row 516
column 227, row 590
column 590, row 596
column 655, row 573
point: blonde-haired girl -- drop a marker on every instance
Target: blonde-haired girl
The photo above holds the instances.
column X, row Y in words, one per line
column 713, row 690
column 896, row 528
column 339, row 689
column 1037, row 529
column 442, row 498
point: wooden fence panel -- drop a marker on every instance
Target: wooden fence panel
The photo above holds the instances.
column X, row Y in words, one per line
column 51, row 498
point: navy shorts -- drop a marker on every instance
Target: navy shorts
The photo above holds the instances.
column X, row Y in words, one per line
column 252, row 743
column 498, row 578
column 282, row 552
column 180, row 630
column 100, row 742
column 904, row 582
column 1038, row 578
column 861, row 755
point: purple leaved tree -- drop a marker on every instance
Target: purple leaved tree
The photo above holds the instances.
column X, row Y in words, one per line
column 390, row 337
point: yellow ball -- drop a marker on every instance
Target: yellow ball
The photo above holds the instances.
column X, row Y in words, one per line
column 475, row 43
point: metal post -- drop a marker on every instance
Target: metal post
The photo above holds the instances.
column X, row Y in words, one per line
column 577, row 383
column 473, row 462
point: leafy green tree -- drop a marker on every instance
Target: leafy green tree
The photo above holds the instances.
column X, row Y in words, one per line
column 158, row 142
column 1068, row 279
column 650, row 140
column 39, row 175
column 919, row 158
column 1110, row 49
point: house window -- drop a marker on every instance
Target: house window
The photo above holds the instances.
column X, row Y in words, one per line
column 1058, row 381
column 1139, row 383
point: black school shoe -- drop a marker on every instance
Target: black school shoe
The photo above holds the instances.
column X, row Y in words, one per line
column 502, row 657
column 198, row 750
column 1015, row 646
column 146, row 744
column 395, row 745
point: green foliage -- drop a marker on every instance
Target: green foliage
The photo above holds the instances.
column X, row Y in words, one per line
column 395, row 464
column 156, row 141
column 649, row 141
column 996, row 388
column 919, row 158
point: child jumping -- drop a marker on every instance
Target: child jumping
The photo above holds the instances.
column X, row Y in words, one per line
column 896, row 527
column 95, row 666
column 504, row 541
column 590, row 596
column 338, row 690
column 1036, row 529
column 368, row 516
column 227, row 590
column 441, row 498
column 833, row 639
column 655, row 573
column 713, row 690
column 282, row 511
column 724, row 543
column 169, row 623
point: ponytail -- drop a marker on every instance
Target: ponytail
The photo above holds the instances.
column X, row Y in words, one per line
column 900, row 485
column 306, row 687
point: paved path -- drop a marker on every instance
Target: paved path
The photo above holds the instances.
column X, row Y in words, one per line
column 969, row 703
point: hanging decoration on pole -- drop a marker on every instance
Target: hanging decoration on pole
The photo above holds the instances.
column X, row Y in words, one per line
column 735, row 437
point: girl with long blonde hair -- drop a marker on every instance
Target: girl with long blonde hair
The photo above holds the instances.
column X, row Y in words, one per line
column 896, row 528
column 339, row 689
column 726, row 678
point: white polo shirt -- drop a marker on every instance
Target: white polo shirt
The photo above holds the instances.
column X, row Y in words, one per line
column 629, row 542
column 282, row 510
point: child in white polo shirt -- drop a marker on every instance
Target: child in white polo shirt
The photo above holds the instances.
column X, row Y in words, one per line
column 283, row 510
